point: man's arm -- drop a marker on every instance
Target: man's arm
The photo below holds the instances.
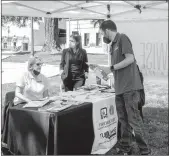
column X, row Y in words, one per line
column 129, row 59
column 127, row 51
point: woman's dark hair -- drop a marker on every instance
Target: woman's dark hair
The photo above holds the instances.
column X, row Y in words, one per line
column 108, row 24
column 78, row 40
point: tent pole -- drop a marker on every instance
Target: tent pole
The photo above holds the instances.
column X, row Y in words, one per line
column 69, row 26
column 32, row 38
column 67, row 32
column 108, row 46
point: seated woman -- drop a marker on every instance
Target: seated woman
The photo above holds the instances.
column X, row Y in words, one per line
column 73, row 67
column 32, row 85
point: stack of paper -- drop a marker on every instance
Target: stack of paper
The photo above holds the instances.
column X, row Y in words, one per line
column 55, row 106
column 36, row 103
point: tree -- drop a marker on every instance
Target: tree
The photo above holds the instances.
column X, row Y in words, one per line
column 51, row 28
column 51, row 33
column 96, row 22
column 20, row 21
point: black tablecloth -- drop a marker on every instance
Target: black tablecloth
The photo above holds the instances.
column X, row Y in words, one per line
column 68, row 132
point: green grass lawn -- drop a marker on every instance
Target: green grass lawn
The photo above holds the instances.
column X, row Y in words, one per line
column 55, row 59
column 155, row 110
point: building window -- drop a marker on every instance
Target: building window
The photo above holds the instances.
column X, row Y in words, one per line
column 62, row 33
column 75, row 32
column 86, row 39
column 98, row 39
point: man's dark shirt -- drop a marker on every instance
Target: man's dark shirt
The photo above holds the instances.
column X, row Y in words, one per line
column 128, row 78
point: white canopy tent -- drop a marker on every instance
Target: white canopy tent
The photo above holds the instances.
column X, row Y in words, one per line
column 77, row 10
column 85, row 9
column 116, row 10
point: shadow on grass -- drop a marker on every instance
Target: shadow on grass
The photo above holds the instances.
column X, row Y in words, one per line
column 156, row 131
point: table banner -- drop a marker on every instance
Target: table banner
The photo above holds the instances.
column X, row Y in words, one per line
column 105, row 123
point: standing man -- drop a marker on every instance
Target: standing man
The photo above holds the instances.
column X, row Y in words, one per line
column 127, row 87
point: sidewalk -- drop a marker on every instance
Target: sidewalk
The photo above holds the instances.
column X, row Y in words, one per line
column 5, row 56
column 8, row 51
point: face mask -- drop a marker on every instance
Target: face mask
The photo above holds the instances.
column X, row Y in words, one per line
column 106, row 40
column 36, row 72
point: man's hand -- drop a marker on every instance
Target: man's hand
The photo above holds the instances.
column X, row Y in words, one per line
column 86, row 75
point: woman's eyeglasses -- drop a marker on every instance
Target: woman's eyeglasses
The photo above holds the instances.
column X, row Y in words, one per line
column 39, row 64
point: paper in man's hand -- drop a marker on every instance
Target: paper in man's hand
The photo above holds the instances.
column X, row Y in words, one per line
column 101, row 71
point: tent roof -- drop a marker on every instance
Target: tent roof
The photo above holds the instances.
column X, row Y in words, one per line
column 86, row 9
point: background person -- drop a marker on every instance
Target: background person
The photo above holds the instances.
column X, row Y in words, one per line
column 25, row 43
column 5, row 41
column 73, row 67
column 14, row 40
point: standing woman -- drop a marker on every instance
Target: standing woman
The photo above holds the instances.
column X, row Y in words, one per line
column 73, row 67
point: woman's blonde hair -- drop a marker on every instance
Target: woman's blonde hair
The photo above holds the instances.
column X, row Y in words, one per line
column 78, row 40
column 32, row 61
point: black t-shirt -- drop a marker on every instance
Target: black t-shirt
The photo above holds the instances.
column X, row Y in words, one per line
column 75, row 63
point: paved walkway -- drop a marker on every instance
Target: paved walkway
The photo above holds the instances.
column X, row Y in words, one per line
column 5, row 56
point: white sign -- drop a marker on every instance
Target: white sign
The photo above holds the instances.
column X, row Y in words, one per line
column 105, row 122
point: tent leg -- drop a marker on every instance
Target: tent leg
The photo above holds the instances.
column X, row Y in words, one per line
column 69, row 26
column 67, row 32
column 32, row 38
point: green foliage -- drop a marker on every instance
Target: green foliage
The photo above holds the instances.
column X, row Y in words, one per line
column 20, row 21
column 97, row 22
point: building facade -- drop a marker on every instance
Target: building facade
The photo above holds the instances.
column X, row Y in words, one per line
column 149, row 39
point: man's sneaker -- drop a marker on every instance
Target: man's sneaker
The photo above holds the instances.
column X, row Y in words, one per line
column 145, row 152
column 120, row 152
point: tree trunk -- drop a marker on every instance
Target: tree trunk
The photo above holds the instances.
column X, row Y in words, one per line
column 51, row 34
column 56, row 32
column 48, row 33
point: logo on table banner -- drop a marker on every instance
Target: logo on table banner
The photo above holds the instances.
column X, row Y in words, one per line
column 111, row 110
column 107, row 123
column 108, row 134
column 103, row 113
